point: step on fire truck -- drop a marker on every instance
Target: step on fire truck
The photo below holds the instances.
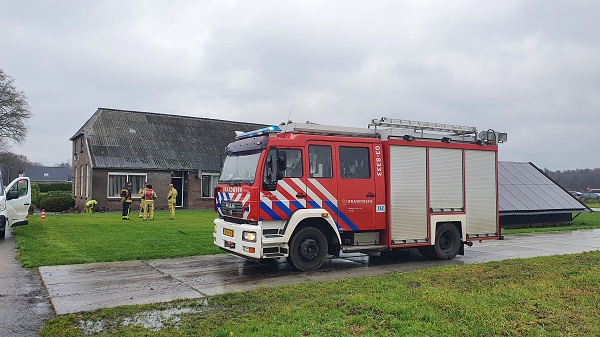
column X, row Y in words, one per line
column 306, row 191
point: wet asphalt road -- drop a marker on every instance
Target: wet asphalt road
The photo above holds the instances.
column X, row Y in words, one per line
column 87, row 287
column 24, row 302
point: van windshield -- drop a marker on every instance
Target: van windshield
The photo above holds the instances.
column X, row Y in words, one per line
column 240, row 167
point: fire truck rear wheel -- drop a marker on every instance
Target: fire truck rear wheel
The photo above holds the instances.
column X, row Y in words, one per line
column 447, row 241
column 308, row 249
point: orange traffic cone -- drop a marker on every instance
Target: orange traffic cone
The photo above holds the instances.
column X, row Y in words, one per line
column 43, row 215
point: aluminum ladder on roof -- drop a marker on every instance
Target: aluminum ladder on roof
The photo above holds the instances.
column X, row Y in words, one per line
column 389, row 127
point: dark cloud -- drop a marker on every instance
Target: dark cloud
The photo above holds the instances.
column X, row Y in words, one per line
column 531, row 68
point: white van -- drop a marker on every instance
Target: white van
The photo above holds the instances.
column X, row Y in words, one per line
column 15, row 200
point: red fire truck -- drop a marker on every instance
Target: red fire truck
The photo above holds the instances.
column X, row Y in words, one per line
column 306, row 191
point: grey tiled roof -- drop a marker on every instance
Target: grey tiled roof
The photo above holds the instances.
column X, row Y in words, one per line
column 525, row 190
column 48, row 173
column 120, row 139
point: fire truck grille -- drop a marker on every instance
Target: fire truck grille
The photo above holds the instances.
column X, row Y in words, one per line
column 232, row 208
column 240, row 221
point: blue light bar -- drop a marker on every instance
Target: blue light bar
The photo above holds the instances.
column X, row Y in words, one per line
column 258, row 132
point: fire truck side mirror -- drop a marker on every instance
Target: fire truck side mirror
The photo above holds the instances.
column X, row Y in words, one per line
column 281, row 164
column 274, row 169
column 280, row 169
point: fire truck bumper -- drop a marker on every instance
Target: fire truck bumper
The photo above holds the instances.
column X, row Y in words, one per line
column 246, row 241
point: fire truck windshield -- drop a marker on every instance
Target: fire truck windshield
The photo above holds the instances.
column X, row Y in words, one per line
column 240, row 167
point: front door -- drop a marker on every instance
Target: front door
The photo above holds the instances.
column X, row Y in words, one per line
column 17, row 209
column 356, row 186
column 178, row 185
column 290, row 193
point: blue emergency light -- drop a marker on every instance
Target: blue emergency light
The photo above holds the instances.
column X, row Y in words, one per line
column 258, row 132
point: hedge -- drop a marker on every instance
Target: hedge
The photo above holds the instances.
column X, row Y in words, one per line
column 47, row 187
column 56, row 201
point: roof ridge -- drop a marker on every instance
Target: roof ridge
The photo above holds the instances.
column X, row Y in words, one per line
column 180, row 116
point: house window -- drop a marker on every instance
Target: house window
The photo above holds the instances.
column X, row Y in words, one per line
column 88, row 181
column 75, row 181
column 209, row 182
column 81, row 150
column 81, row 181
column 74, row 150
column 116, row 182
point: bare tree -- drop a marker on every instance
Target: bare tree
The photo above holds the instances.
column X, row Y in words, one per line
column 12, row 164
column 14, row 110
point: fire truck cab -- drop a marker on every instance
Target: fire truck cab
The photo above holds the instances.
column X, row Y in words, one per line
column 306, row 191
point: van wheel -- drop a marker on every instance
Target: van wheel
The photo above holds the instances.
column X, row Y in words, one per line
column 308, row 249
column 447, row 241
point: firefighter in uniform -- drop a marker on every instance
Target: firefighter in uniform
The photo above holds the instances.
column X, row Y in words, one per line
column 126, row 200
column 171, row 200
column 141, row 194
column 89, row 206
column 149, row 196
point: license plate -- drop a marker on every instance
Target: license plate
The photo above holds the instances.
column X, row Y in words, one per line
column 228, row 232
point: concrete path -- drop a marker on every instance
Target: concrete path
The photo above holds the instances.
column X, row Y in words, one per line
column 77, row 288
column 24, row 303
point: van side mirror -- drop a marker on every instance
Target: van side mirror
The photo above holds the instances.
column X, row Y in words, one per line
column 12, row 195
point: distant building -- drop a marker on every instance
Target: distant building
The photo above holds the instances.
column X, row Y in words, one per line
column 48, row 174
column 116, row 146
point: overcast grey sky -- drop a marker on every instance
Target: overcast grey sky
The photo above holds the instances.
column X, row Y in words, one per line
column 528, row 68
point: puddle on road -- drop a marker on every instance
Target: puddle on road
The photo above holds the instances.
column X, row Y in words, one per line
column 152, row 320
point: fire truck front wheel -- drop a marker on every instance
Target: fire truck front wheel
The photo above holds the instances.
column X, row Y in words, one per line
column 308, row 249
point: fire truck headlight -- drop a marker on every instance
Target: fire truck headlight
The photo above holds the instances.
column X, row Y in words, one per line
column 249, row 236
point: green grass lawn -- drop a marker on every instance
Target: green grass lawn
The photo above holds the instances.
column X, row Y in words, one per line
column 545, row 296
column 99, row 237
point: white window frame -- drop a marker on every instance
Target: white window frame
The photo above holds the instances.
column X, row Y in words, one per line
column 88, row 180
column 127, row 175
column 75, row 181
column 81, row 185
column 212, row 182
